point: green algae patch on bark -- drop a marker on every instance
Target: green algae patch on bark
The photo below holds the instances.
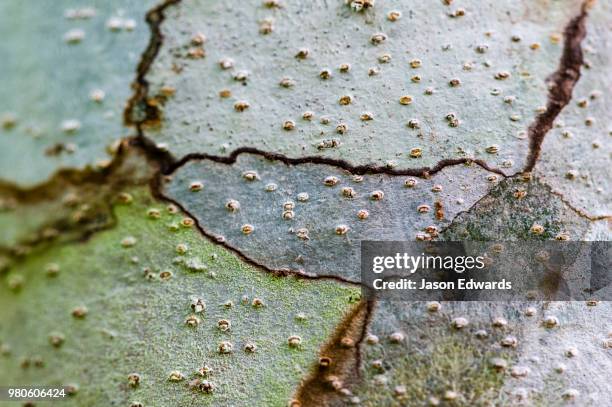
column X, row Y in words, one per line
column 153, row 297
column 519, row 209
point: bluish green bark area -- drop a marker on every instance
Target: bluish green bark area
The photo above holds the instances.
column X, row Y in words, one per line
column 58, row 58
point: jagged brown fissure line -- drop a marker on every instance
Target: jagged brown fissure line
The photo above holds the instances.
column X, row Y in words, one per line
column 562, row 83
column 20, row 253
column 563, row 79
column 422, row 172
column 151, row 113
column 140, row 85
column 169, row 164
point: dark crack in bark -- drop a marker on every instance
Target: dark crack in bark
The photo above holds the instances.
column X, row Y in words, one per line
column 140, row 109
column 561, row 84
column 424, row 172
